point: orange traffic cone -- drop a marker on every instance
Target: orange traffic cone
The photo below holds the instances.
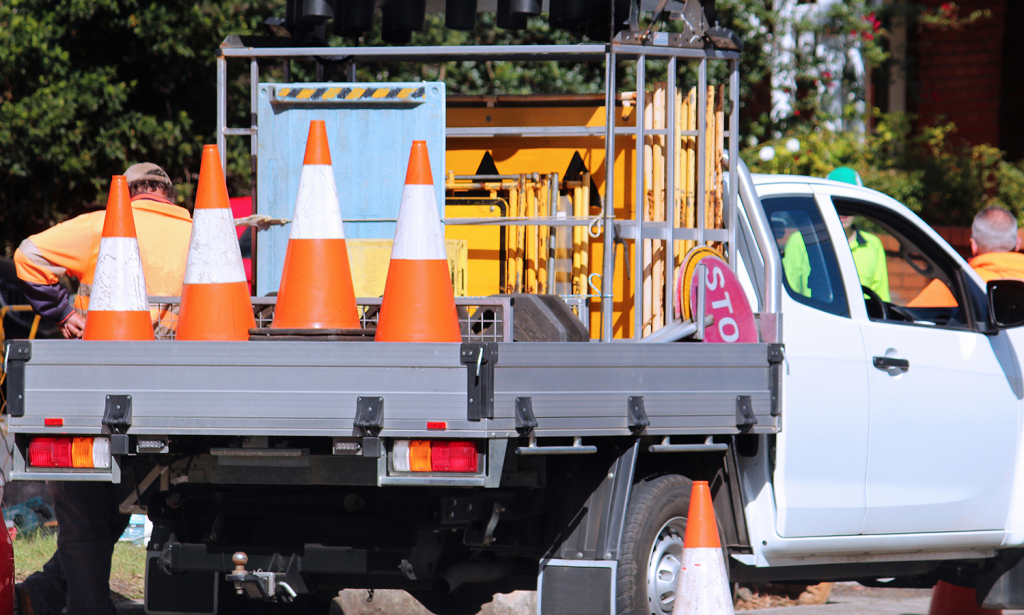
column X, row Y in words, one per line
column 419, row 303
column 950, row 599
column 316, row 285
column 215, row 302
column 703, row 585
column 119, row 305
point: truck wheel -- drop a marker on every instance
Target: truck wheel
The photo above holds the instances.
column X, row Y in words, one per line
column 652, row 546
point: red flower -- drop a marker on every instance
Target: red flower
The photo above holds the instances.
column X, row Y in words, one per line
column 826, row 75
column 869, row 36
column 796, row 113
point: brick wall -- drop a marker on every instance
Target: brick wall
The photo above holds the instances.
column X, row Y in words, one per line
column 958, row 73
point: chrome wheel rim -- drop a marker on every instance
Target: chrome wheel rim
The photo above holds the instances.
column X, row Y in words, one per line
column 663, row 566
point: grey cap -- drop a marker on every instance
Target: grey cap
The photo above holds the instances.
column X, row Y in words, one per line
column 142, row 171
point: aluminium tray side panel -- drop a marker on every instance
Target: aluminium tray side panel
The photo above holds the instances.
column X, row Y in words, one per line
column 239, row 388
column 583, row 389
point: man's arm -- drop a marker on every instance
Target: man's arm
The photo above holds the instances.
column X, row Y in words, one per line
column 42, row 258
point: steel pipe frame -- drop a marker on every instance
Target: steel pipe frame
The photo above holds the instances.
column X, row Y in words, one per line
column 611, row 53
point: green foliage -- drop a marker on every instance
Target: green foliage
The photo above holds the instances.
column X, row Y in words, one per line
column 945, row 181
column 88, row 87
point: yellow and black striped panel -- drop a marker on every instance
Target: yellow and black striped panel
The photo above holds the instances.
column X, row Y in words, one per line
column 383, row 94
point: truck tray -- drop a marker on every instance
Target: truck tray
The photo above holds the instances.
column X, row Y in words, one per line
column 310, row 389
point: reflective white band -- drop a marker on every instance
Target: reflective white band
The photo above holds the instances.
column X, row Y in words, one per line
column 213, row 253
column 317, row 215
column 118, row 285
column 703, row 587
column 419, row 235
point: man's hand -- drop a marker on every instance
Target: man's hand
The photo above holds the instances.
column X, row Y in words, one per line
column 73, row 326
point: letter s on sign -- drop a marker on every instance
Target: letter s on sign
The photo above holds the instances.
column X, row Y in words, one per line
column 715, row 277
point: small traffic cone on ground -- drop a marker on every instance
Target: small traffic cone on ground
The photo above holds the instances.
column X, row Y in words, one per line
column 419, row 303
column 948, row 599
column 118, row 305
column 703, row 586
column 215, row 302
column 316, row 285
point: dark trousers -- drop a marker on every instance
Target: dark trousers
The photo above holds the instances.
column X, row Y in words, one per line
column 78, row 574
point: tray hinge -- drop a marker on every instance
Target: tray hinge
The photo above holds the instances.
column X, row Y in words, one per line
column 369, row 415
column 636, row 414
column 525, row 420
column 745, row 419
column 479, row 360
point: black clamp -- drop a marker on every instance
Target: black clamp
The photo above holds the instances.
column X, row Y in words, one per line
column 745, row 419
column 636, row 415
column 369, row 415
column 16, row 355
column 525, row 420
column 479, row 360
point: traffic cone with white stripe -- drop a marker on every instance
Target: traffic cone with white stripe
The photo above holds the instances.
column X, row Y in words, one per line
column 419, row 303
column 703, row 586
column 215, row 302
column 948, row 599
column 118, row 305
column 316, row 285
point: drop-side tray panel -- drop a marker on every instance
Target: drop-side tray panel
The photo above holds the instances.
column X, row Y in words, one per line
column 310, row 388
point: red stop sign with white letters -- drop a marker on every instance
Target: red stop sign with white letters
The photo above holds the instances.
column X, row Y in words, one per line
column 726, row 300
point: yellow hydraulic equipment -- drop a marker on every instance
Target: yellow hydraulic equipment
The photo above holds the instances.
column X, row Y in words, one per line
column 549, row 236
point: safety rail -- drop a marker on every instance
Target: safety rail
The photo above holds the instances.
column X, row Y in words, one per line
column 482, row 319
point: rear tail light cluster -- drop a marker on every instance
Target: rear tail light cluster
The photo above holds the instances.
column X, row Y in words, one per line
column 434, row 456
column 50, row 452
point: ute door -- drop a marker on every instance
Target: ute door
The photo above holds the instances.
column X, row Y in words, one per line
column 821, row 453
column 943, row 413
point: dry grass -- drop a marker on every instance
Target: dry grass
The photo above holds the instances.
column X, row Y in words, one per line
column 127, row 571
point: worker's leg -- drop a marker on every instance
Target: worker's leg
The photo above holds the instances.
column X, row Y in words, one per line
column 88, row 522
column 46, row 588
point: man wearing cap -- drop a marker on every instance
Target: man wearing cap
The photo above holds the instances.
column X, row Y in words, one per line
column 78, row 575
column 73, row 246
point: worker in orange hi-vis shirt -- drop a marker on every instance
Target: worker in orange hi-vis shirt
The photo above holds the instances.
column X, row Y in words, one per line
column 994, row 245
column 73, row 246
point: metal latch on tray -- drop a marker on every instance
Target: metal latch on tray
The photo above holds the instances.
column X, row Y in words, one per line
column 479, row 360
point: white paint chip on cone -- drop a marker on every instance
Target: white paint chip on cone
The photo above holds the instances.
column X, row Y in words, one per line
column 419, row 235
column 119, row 285
column 213, row 253
column 703, row 586
column 317, row 215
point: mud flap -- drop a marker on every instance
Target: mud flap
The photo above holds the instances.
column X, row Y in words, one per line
column 186, row 592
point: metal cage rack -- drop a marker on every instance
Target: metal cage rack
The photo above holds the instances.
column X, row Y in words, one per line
column 623, row 49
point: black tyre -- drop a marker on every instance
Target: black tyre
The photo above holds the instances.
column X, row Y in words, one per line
column 652, row 545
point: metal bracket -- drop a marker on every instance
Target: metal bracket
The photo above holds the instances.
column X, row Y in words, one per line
column 636, row 415
column 117, row 414
column 369, row 415
column 525, row 420
column 18, row 353
column 776, row 356
column 745, row 419
column 479, row 360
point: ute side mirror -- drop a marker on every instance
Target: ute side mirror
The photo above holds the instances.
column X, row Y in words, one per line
column 1006, row 303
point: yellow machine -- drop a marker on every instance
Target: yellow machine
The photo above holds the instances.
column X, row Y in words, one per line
column 523, row 177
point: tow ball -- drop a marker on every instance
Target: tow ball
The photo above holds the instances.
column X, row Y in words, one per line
column 268, row 586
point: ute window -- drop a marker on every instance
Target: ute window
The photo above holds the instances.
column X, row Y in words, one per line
column 811, row 272
column 905, row 277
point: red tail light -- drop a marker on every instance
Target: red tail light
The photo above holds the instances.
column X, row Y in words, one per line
column 452, row 456
column 40, row 453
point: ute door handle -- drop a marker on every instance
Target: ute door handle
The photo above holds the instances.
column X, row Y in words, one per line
column 891, row 363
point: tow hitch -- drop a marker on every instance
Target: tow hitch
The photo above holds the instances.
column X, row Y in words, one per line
column 268, row 586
